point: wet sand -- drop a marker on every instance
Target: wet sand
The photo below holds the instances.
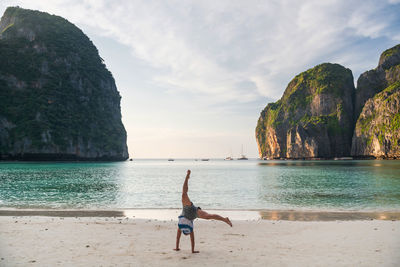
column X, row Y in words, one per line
column 172, row 214
column 121, row 238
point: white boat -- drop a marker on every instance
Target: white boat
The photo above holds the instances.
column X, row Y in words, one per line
column 242, row 156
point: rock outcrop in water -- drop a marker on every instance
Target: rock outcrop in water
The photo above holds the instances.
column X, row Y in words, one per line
column 58, row 101
column 319, row 109
column 377, row 130
column 314, row 117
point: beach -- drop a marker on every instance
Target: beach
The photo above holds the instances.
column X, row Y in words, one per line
column 118, row 239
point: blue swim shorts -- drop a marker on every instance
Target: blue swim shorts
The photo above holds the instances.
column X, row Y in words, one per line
column 185, row 225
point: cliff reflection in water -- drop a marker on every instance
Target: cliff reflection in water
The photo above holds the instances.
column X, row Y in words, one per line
column 322, row 184
column 327, row 216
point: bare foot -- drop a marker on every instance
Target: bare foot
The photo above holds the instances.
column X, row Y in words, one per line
column 177, row 249
column 228, row 221
column 195, row 251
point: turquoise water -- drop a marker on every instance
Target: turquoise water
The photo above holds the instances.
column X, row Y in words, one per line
column 215, row 184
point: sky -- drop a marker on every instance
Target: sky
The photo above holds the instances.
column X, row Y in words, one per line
column 195, row 75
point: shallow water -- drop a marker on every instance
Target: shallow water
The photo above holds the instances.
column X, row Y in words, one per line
column 215, row 184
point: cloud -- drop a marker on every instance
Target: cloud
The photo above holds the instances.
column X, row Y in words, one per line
column 217, row 48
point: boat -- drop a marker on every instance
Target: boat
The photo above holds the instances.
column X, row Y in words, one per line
column 170, row 159
column 205, row 159
column 230, row 157
column 343, row 158
column 242, row 156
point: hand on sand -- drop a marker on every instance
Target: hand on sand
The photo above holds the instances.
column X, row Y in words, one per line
column 177, row 249
column 188, row 172
column 195, row 251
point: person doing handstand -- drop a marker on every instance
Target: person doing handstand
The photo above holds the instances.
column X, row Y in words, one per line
column 191, row 212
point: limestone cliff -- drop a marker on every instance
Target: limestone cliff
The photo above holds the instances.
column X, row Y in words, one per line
column 313, row 119
column 57, row 98
column 374, row 81
column 377, row 130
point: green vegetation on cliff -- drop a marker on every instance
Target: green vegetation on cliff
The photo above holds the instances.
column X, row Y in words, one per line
column 323, row 79
column 56, row 94
column 394, row 51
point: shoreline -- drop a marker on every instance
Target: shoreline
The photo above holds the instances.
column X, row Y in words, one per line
column 172, row 214
column 91, row 160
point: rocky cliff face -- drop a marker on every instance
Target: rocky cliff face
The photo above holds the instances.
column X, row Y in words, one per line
column 377, row 130
column 57, row 99
column 374, row 81
column 313, row 119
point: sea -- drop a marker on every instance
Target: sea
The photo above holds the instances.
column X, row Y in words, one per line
column 365, row 185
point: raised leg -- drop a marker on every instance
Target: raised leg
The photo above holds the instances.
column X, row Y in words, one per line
column 204, row 215
column 185, row 198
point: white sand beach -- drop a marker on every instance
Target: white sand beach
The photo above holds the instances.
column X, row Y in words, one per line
column 122, row 241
